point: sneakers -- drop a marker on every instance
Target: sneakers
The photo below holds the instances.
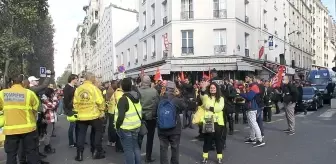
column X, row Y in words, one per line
column 259, row 144
column 204, row 161
column 286, row 131
column 291, row 133
column 112, row 144
column 250, row 141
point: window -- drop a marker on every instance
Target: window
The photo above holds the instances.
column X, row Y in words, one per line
column 219, row 10
column 128, row 57
column 187, row 9
column 136, row 52
column 265, row 19
column 153, row 46
column 219, row 41
column 144, row 50
column 144, row 20
column 247, row 40
column 187, row 42
column 153, row 14
column 164, row 13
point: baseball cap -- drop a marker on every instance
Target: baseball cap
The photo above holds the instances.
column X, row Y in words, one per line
column 32, row 78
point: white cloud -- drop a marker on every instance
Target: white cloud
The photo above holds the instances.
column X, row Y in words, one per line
column 66, row 15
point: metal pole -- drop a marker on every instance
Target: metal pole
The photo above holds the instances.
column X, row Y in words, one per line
column 285, row 38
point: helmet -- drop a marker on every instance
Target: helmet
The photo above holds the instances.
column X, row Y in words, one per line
column 2, row 121
column 72, row 118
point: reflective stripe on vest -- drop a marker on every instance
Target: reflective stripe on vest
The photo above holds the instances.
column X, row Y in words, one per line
column 131, row 120
column 28, row 126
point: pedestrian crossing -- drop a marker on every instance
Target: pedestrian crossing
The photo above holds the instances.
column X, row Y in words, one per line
column 328, row 114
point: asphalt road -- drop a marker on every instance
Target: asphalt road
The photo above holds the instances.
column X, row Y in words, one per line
column 313, row 143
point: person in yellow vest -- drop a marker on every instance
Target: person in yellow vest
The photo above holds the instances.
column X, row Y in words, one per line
column 213, row 121
column 113, row 138
column 128, row 121
column 89, row 106
column 20, row 107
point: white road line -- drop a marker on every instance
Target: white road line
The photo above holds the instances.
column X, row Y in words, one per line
column 302, row 114
column 280, row 114
column 327, row 114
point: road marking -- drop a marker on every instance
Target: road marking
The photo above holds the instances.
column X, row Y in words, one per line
column 302, row 114
column 280, row 114
column 329, row 113
column 274, row 121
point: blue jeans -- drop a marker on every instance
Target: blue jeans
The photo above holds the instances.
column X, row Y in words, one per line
column 129, row 141
column 260, row 122
column 71, row 130
column 60, row 107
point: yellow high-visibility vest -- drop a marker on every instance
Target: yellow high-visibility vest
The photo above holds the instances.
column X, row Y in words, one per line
column 218, row 109
column 131, row 120
column 20, row 107
column 114, row 100
column 88, row 102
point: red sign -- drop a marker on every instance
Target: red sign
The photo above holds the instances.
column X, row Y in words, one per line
column 261, row 51
column 166, row 42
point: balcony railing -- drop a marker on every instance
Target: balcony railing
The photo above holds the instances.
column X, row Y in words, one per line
column 247, row 52
column 187, row 50
column 164, row 54
column 185, row 15
column 220, row 49
column 165, row 20
column 247, row 19
column 220, row 13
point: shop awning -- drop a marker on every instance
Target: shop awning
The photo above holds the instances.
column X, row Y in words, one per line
column 164, row 69
column 243, row 66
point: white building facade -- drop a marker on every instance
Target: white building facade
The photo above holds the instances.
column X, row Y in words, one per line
column 104, row 23
column 320, row 34
column 111, row 29
column 299, row 33
column 203, row 34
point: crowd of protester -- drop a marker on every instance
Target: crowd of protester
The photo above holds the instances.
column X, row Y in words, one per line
column 132, row 109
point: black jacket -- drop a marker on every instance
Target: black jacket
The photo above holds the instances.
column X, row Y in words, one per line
column 290, row 93
column 68, row 92
column 268, row 96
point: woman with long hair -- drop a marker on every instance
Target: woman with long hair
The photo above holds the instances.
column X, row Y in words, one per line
column 213, row 121
column 49, row 105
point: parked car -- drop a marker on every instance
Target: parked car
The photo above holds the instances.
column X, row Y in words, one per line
column 312, row 98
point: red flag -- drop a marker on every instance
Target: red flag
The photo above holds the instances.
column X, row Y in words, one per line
column 182, row 76
column 261, row 51
column 277, row 79
column 157, row 75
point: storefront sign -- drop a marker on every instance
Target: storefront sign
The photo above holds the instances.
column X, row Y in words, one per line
column 204, row 61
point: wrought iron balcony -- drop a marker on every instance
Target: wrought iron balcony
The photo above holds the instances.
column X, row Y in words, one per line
column 165, row 20
column 220, row 49
column 187, row 50
column 220, row 13
column 247, row 52
column 185, row 15
column 164, row 54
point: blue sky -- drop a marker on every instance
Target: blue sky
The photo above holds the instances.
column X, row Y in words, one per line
column 331, row 6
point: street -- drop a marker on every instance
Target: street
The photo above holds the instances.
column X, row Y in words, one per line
column 313, row 143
